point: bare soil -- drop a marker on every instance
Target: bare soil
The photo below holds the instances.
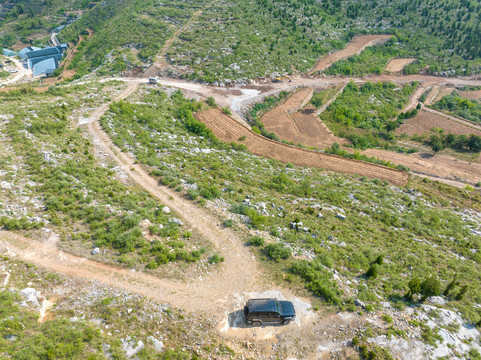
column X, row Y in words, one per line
column 437, row 166
column 426, row 120
column 397, row 65
column 299, row 126
column 473, row 95
column 228, row 129
column 358, row 44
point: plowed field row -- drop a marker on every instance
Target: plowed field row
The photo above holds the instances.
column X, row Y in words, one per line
column 471, row 94
column 425, row 121
column 302, row 126
column 228, row 129
column 438, row 166
column 358, row 44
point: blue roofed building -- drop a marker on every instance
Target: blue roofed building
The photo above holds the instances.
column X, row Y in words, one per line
column 24, row 51
column 43, row 62
column 7, row 52
column 45, row 67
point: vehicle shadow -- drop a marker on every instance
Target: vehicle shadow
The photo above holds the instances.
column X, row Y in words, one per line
column 237, row 319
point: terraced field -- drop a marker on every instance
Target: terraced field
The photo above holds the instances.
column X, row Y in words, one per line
column 299, row 126
column 358, row 44
column 228, row 129
column 397, row 65
column 426, row 120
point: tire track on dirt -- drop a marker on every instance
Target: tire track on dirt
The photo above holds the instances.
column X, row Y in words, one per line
column 239, row 272
column 228, row 129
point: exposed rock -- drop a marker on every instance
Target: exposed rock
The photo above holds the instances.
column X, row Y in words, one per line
column 131, row 348
column 437, row 300
column 340, row 216
column 31, row 296
column 177, row 221
column 166, row 210
column 358, row 302
column 158, row 345
column 95, row 251
column 401, row 348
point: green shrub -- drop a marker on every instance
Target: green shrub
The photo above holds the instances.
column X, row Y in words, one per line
column 277, row 252
column 215, row 259
column 317, row 280
column 373, row 271
column 255, row 241
column 430, row 287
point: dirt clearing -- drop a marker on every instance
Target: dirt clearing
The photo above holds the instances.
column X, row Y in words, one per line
column 426, row 120
column 397, row 65
column 299, row 126
column 433, row 165
column 228, row 129
column 472, row 95
column 358, row 44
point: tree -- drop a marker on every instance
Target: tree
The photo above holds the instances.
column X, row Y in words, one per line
column 436, row 143
column 474, row 143
column 462, row 292
column 373, row 271
column 414, row 288
column 211, row 101
column 451, row 286
column 430, row 287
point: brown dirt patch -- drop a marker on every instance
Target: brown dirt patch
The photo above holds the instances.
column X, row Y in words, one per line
column 299, row 126
column 358, row 44
column 426, row 120
column 437, row 166
column 396, row 65
column 473, row 95
column 228, row 129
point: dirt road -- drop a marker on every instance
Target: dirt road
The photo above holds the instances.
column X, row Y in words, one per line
column 240, row 271
column 22, row 74
column 358, row 44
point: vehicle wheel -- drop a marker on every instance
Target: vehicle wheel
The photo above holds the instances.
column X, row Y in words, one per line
column 256, row 323
column 285, row 322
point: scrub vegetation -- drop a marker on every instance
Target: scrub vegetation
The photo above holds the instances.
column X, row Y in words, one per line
column 248, row 39
column 82, row 199
column 375, row 237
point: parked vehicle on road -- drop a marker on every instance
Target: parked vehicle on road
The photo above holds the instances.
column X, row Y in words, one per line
column 269, row 311
column 153, row 80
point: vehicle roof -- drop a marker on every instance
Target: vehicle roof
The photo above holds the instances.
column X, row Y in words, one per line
column 262, row 305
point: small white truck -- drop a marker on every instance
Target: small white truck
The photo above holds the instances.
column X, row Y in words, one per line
column 153, row 80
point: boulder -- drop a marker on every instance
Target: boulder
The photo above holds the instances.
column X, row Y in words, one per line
column 158, row 345
column 166, row 210
column 31, row 296
column 131, row 347
column 95, row 251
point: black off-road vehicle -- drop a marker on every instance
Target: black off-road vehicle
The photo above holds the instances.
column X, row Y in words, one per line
column 270, row 311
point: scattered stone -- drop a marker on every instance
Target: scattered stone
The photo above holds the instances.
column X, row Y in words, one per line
column 10, row 337
column 178, row 222
column 31, row 296
column 95, row 251
column 437, row 300
column 320, row 216
column 158, row 345
column 166, row 210
column 131, row 348
column 358, row 302
column 340, row 216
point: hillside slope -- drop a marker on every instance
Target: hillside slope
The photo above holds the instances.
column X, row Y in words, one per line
column 244, row 39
